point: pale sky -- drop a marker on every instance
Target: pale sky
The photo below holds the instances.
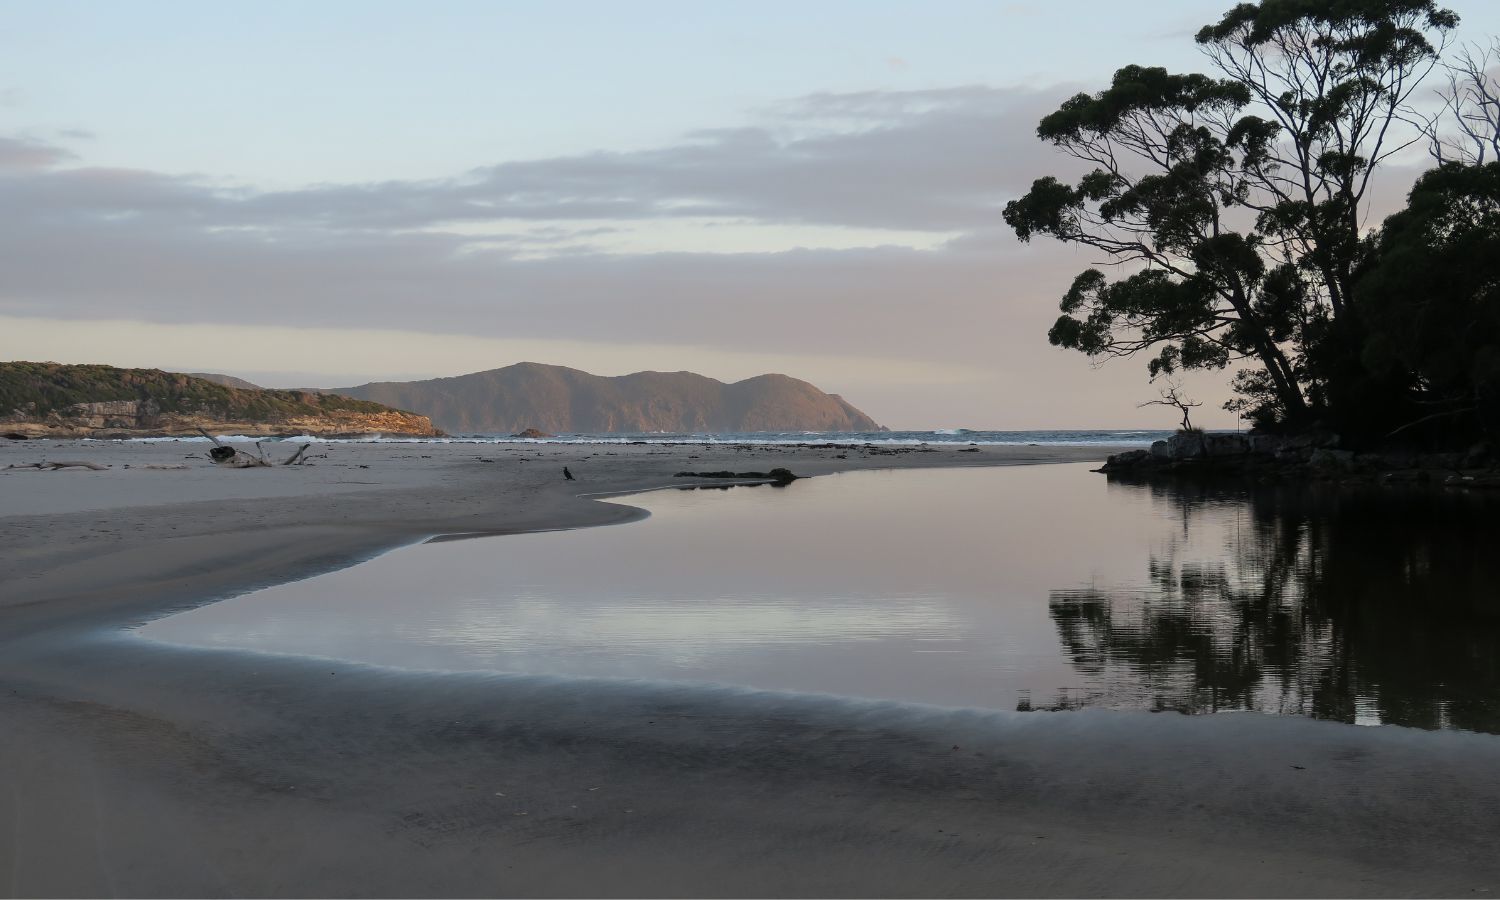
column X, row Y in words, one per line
column 320, row 194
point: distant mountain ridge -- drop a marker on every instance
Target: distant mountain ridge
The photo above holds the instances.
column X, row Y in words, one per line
column 559, row 399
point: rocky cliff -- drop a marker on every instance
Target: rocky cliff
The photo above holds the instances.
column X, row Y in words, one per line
column 52, row 400
column 558, row 399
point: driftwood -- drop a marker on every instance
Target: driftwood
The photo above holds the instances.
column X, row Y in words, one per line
column 230, row 457
column 297, row 456
column 224, row 455
column 49, row 466
column 775, row 476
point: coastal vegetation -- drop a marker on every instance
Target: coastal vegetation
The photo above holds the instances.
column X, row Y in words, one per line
column 50, row 387
column 1233, row 208
column 50, row 398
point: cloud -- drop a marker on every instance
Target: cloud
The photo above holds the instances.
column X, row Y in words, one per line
column 96, row 242
column 510, row 252
column 939, row 160
column 24, row 153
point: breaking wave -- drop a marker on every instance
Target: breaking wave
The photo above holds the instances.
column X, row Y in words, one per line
column 964, row 436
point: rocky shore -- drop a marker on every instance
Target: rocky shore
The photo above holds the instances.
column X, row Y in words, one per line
column 1317, row 456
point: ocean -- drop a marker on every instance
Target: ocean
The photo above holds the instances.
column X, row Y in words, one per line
column 1082, row 437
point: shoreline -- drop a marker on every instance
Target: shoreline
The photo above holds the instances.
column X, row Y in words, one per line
column 1302, row 458
column 136, row 770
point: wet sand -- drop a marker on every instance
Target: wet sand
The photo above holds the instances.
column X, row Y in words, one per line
column 130, row 768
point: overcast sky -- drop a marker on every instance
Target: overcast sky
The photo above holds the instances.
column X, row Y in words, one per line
column 330, row 193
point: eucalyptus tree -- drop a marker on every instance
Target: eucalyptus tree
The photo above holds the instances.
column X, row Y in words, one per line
column 1467, row 128
column 1232, row 204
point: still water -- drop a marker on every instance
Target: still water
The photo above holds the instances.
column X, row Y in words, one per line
column 1030, row 587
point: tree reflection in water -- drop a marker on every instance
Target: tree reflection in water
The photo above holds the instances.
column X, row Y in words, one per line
column 1355, row 605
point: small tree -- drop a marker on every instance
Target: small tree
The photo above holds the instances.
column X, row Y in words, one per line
column 1171, row 395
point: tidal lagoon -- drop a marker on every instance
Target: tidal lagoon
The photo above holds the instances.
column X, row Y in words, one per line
column 1043, row 588
column 927, row 678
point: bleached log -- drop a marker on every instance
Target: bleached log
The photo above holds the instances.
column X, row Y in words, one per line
column 221, row 454
column 234, row 459
column 296, row 456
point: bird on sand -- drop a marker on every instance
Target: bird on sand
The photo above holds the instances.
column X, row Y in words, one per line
column 568, row 475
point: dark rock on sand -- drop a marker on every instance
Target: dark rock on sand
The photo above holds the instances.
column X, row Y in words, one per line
column 778, row 476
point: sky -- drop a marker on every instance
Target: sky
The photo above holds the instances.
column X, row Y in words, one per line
column 322, row 194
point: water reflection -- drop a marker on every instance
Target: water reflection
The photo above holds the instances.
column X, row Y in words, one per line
column 1029, row 587
column 1355, row 605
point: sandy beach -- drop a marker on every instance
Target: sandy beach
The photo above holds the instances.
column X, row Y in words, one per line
column 136, row 769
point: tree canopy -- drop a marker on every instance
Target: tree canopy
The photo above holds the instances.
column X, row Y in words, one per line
column 1231, row 204
column 1430, row 297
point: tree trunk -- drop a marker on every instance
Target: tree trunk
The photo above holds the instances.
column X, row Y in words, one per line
column 1275, row 361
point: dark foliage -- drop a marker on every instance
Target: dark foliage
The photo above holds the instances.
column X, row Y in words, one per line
column 1321, row 599
column 1430, row 305
column 1233, row 202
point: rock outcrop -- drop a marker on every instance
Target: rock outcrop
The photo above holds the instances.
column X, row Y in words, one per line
column 52, row 400
column 556, row 399
column 1315, row 455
